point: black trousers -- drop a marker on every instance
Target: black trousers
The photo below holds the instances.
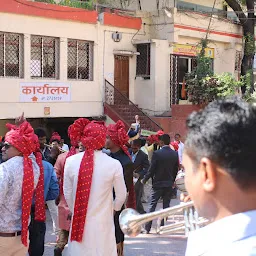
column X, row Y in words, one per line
column 158, row 193
column 36, row 236
column 138, row 192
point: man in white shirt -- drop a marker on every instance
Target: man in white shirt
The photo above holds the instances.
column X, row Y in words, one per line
column 63, row 145
column 177, row 138
column 89, row 179
column 219, row 159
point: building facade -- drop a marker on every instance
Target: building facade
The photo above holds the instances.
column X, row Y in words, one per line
column 55, row 60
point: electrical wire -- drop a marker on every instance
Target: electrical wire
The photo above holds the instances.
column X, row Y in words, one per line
column 209, row 25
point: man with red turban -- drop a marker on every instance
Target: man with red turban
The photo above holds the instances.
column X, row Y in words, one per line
column 19, row 175
column 63, row 209
column 89, row 178
column 117, row 139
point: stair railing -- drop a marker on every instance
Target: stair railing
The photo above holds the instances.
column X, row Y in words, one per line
column 114, row 97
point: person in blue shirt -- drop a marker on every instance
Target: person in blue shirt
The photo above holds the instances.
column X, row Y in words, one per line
column 134, row 130
column 37, row 228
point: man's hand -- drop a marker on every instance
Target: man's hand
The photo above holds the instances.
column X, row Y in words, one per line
column 185, row 198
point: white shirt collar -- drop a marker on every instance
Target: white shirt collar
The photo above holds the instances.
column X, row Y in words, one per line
column 221, row 233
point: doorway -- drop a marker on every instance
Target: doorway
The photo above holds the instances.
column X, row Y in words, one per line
column 121, row 74
column 179, row 67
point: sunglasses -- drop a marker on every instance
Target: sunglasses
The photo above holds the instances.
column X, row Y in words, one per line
column 6, row 145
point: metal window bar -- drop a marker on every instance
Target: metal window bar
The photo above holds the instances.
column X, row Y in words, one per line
column 143, row 61
column 44, row 57
column 4, row 55
column 21, row 56
column 11, row 55
column 77, row 59
column 91, row 49
column 80, row 60
column 238, row 60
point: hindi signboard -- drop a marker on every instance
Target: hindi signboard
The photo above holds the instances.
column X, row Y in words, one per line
column 45, row 92
column 191, row 50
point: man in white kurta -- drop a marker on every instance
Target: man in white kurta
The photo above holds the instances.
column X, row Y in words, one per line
column 99, row 232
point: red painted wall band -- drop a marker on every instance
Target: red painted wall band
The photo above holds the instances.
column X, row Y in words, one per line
column 205, row 30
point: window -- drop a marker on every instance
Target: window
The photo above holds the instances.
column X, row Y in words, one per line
column 143, row 61
column 11, row 55
column 238, row 61
column 80, row 60
column 44, row 57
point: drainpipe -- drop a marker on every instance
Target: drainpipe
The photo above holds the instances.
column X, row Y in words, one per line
column 103, row 66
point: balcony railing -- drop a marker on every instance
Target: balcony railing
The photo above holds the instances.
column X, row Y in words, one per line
column 114, row 98
column 185, row 6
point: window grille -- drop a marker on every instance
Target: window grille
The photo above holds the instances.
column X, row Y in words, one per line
column 44, row 57
column 80, row 60
column 11, row 55
column 238, row 61
column 143, row 61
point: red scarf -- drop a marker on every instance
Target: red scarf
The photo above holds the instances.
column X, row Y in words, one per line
column 93, row 137
column 39, row 194
column 23, row 139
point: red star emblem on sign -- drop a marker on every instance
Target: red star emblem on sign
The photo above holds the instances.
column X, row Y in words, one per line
column 34, row 99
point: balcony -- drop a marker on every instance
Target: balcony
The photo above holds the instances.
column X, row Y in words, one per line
column 183, row 6
column 88, row 5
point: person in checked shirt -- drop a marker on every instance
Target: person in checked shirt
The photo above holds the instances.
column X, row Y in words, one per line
column 19, row 175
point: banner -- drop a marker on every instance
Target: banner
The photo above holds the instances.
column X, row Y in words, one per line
column 191, row 50
column 45, row 92
column 146, row 133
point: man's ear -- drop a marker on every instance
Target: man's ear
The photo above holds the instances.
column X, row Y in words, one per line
column 208, row 174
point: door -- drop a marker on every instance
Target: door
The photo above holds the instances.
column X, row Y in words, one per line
column 121, row 74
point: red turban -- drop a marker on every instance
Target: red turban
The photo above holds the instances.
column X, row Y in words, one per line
column 160, row 133
column 93, row 137
column 75, row 132
column 22, row 138
column 175, row 145
column 55, row 136
column 155, row 137
column 118, row 135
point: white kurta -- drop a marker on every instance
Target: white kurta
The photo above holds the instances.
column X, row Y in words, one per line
column 99, row 231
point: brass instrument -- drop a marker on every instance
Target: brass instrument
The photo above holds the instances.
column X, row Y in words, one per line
column 50, row 147
column 131, row 221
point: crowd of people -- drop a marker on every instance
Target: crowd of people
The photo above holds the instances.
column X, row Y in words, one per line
column 106, row 169
column 103, row 172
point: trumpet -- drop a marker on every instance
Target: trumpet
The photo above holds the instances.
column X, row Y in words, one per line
column 131, row 221
column 50, row 147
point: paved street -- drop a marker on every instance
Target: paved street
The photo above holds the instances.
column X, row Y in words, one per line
column 143, row 245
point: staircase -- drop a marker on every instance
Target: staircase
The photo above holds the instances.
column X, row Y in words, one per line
column 119, row 107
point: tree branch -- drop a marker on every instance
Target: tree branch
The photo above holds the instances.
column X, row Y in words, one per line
column 237, row 9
